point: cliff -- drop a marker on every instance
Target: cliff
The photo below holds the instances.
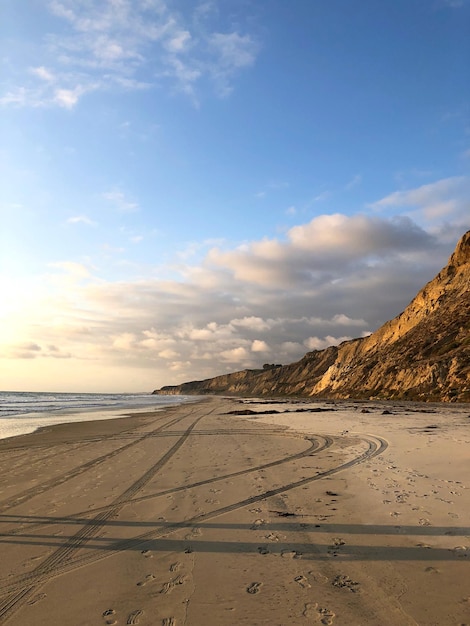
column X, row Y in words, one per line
column 422, row 354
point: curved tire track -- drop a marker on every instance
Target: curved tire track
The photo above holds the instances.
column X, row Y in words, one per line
column 59, row 562
column 27, row 494
column 58, row 559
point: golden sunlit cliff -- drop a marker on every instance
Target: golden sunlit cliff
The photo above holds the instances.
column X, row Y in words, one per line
column 422, row 354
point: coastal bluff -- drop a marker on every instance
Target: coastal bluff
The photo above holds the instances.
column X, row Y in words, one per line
column 423, row 354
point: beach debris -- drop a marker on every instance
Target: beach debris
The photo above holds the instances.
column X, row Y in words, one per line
column 285, row 514
column 254, row 588
column 344, row 582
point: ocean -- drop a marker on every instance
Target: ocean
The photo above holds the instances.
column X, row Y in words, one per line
column 25, row 412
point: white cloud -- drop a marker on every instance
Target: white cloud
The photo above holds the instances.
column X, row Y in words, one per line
column 19, row 96
column 125, row 341
column 259, row 346
column 335, row 277
column 179, row 41
column 235, row 355
column 442, row 205
column 43, row 73
column 129, row 44
column 119, row 200
column 168, row 354
column 68, row 98
column 344, row 320
column 72, row 269
column 325, row 244
column 252, row 323
column 81, row 219
column 315, row 343
column 354, row 182
column 422, row 196
column 234, row 50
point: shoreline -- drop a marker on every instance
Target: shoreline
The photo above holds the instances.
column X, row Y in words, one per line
column 194, row 514
column 16, row 425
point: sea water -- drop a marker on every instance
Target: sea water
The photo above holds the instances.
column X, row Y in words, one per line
column 24, row 412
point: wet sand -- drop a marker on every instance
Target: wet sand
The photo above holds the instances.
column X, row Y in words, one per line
column 321, row 513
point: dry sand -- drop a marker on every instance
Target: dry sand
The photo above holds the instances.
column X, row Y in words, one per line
column 200, row 517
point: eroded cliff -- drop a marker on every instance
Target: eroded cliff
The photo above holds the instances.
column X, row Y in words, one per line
column 422, row 354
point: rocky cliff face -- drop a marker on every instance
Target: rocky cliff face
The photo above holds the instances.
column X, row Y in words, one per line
column 422, row 354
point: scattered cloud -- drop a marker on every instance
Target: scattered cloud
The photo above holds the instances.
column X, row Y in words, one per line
column 315, row 343
column 35, row 351
column 270, row 187
column 119, row 200
column 328, row 280
column 435, row 205
column 43, row 73
column 354, row 182
column 259, row 346
column 81, row 219
column 129, row 45
column 324, row 195
column 231, row 53
column 455, row 4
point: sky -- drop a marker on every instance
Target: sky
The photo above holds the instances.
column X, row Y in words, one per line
column 191, row 188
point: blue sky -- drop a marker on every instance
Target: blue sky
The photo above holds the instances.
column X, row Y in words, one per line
column 195, row 188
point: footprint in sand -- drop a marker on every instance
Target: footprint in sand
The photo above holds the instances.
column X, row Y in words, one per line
column 318, row 614
column 37, row 598
column 272, row 537
column 195, row 532
column 303, row 582
column 133, row 618
column 171, row 584
column 318, row 577
column 291, row 554
column 147, row 554
column 174, row 567
column 254, row 588
column 148, row 579
column 461, row 551
column 109, row 616
column 168, row 621
column 257, row 524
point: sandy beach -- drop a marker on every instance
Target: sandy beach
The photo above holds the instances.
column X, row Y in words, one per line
column 223, row 512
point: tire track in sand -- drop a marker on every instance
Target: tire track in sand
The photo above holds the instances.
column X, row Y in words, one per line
column 314, row 447
column 27, row 494
column 59, row 563
column 59, row 559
